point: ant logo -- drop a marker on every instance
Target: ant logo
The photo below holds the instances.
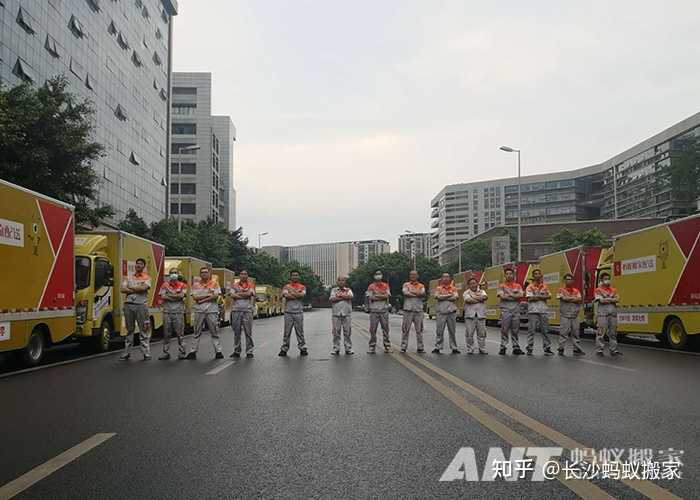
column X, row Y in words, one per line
column 663, row 253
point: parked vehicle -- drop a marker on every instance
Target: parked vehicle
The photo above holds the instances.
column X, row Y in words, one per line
column 225, row 278
column 494, row 275
column 268, row 300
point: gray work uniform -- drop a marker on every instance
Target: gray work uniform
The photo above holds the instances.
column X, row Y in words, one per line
column 537, row 316
column 341, row 318
column 510, row 314
column 136, row 312
column 606, row 319
column 568, row 320
column 412, row 314
column 206, row 313
column 475, row 319
column 174, row 316
column 293, row 317
column 378, row 314
column 242, row 319
column 446, row 315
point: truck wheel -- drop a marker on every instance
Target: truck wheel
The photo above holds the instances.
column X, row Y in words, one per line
column 34, row 352
column 675, row 334
column 102, row 340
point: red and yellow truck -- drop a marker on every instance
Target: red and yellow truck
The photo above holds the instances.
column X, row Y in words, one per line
column 268, row 301
column 58, row 286
column 656, row 271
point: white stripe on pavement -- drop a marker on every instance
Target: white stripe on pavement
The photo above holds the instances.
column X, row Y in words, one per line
column 47, row 468
column 220, row 368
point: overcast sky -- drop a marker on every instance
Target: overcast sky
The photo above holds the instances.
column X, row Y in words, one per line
column 351, row 116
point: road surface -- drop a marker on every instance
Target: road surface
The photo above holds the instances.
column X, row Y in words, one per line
column 384, row 425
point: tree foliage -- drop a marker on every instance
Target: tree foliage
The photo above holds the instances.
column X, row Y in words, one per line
column 395, row 267
column 46, row 145
column 476, row 254
column 566, row 238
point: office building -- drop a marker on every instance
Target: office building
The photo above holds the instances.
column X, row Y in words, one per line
column 329, row 260
column 415, row 243
column 632, row 184
column 201, row 166
column 117, row 55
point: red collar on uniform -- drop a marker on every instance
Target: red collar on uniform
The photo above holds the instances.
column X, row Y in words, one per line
column 538, row 286
column 448, row 288
column 572, row 290
column 296, row 286
column 511, row 284
column 416, row 284
column 382, row 286
column 141, row 276
column 244, row 284
column 608, row 289
column 177, row 285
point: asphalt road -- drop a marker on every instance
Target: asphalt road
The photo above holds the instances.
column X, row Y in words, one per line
column 386, row 425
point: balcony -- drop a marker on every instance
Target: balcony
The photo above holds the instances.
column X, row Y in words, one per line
column 435, row 224
column 435, row 212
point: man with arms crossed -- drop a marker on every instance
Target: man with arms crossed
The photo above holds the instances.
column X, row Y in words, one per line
column 475, row 316
column 243, row 295
column 135, row 289
column 341, row 306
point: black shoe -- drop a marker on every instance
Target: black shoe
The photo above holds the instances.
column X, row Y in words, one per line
column 335, row 353
column 403, row 349
column 436, row 351
column 282, row 354
column 180, row 357
column 502, row 351
column 125, row 357
column 420, row 351
column 518, row 352
column 147, row 357
column 548, row 352
column 164, row 357
column 219, row 355
column 192, row 355
column 456, row 351
column 349, row 353
column 529, row 352
column 599, row 353
column 303, row 352
column 249, row 355
column 485, row 353
column 616, row 353
column 560, row 352
column 579, row 352
column 235, row 355
column 372, row 351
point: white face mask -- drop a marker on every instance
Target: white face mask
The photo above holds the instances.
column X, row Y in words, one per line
column 606, row 282
column 378, row 276
column 174, row 277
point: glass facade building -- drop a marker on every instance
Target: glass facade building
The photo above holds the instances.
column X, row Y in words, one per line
column 117, row 55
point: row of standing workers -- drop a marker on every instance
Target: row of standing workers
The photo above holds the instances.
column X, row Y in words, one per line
column 206, row 291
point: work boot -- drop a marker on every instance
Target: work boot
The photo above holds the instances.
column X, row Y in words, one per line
column 192, row 355
column 616, row 353
column 335, row 353
column 483, row 352
column 403, row 349
column 599, row 353
column 560, row 351
column 518, row 352
column 502, row 351
column 436, row 351
column 372, row 351
column 125, row 357
column 420, row 351
column 303, row 352
column 529, row 351
column 349, row 352
column 180, row 357
column 146, row 357
column 579, row 352
column 164, row 357
column 388, row 350
column 548, row 352
column 456, row 351
column 235, row 355
column 219, row 355
column 282, row 354
column 249, row 355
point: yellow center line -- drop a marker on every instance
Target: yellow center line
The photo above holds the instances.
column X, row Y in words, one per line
column 646, row 488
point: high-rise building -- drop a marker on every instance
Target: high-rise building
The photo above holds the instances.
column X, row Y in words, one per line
column 117, row 55
column 632, row 184
column 201, row 165
column 329, row 260
column 418, row 243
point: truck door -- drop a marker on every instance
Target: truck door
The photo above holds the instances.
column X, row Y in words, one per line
column 104, row 281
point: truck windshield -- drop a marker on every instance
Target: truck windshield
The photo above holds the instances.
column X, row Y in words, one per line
column 82, row 272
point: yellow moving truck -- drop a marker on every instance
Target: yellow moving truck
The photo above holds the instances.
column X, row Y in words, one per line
column 268, row 301
column 582, row 262
column 99, row 302
column 57, row 285
column 37, row 305
column 189, row 271
column 656, row 271
column 225, row 277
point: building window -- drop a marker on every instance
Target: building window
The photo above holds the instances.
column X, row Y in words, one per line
column 76, row 68
column 184, row 90
column 184, row 128
column 23, row 70
column 90, row 81
column 178, row 148
column 184, row 108
column 120, row 113
column 174, row 188
column 136, row 59
column 188, row 209
column 112, row 28
column 134, row 158
column 188, row 188
column 188, row 168
column 156, row 59
column 94, row 5
column 26, row 21
column 52, row 46
column 76, row 27
column 122, row 41
column 159, row 35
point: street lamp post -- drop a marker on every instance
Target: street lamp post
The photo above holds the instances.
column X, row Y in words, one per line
column 260, row 235
column 180, row 150
column 508, row 149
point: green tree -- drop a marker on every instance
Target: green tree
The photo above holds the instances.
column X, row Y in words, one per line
column 265, row 268
column 134, row 224
column 566, row 238
column 476, row 255
column 46, row 145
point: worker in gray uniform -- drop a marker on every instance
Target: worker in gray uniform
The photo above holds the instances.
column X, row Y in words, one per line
column 172, row 295
column 510, row 292
column 475, row 316
column 341, row 307
column 135, row 289
column 243, row 294
column 378, row 294
column 606, row 316
column 569, row 307
column 413, row 293
column 446, row 313
column 294, row 293
column 205, row 293
column 537, row 294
